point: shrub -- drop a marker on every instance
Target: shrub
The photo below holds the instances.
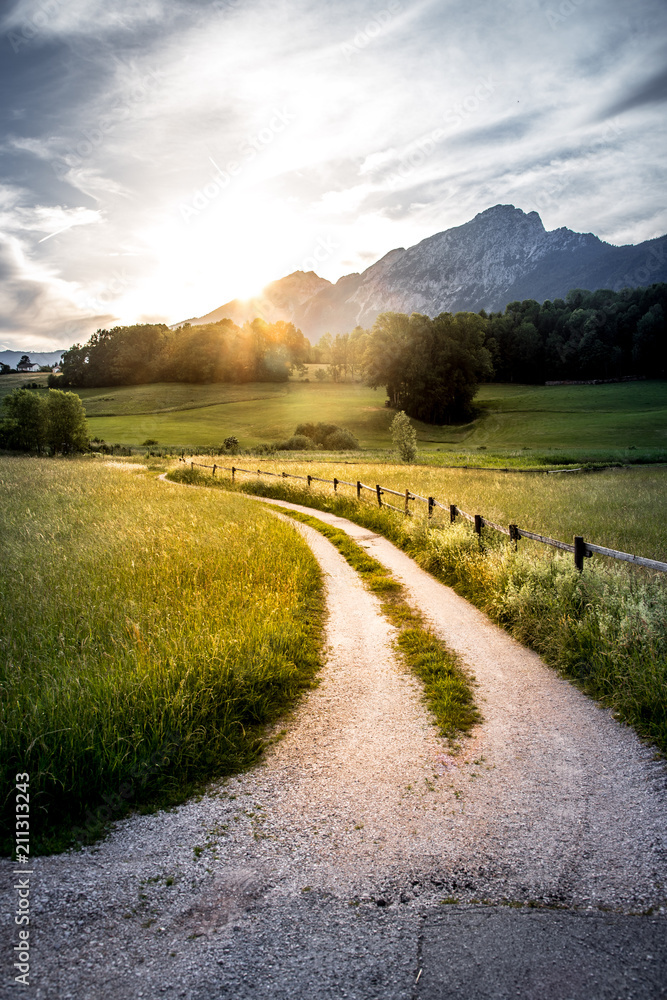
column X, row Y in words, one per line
column 329, row 436
column 230, row 445
column 404, row 437
column 340, row 440
column 298, row 442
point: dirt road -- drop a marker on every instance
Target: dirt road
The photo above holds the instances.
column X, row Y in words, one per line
column 363, row 859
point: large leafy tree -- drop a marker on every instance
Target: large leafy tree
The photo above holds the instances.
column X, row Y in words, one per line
column 66, row 426
column 431, row 368
column 24, row 426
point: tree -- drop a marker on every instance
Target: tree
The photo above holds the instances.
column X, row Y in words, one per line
column 404, row 437
column 24, row 428
column 66, row 425
column 431, row 368
column 4, row 369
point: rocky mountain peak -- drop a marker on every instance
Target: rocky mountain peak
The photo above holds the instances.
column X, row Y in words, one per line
column 501, row 255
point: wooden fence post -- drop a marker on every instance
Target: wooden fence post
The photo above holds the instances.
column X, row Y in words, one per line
column 309, row 479
column 192, row 466
column 214, row 468
column 335, row 485
column 452, row 513
column 284, row 475
column 514, row 535
column 233, row 473
column 407, row 497
column 478, row 525
column 379, row 493
column 431, row 505
column 358, row 490
column 579, row 552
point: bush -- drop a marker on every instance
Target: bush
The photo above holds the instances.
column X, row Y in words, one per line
column 298, row 442
column 331, row 437
column 340, row 440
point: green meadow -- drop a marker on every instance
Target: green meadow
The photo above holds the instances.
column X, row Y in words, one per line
column 516, row 425
column 147, row 635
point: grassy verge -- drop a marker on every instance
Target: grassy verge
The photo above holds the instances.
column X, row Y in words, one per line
column 147, row 635
column 605, row 628
column 621, row 508
column 447, row 686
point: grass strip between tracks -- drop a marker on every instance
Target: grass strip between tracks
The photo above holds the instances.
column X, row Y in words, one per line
column 448, row 687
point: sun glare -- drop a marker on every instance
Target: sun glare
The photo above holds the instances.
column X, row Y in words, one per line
column 232, row 249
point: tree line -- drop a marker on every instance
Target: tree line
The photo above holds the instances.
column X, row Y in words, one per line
column 431, row 368
column 601, row 334
column 214, row 352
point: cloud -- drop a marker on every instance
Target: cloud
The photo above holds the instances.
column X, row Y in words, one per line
column 651, row 91
column 116, row 109
column 37, row 305
column 35, row 21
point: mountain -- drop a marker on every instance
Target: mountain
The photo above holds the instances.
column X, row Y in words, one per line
column 12, row 358
column 279, row 300
column 501, row 255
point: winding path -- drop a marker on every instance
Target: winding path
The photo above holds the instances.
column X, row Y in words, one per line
column 322, row 872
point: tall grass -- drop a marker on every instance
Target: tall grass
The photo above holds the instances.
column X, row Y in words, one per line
column 620, row 508
column 146, row 635
column 606, row 628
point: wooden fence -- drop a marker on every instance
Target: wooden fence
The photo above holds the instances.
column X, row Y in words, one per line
column 580, row 548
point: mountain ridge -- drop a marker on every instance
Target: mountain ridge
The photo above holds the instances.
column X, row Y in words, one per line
column 501, row 255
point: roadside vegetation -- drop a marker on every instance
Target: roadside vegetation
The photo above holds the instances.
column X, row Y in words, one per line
column 147, row 636
column 605, row 628
column 621, row 508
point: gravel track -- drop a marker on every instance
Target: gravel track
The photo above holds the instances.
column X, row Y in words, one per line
column 323, row 870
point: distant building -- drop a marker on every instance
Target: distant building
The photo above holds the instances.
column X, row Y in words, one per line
column 26, row 365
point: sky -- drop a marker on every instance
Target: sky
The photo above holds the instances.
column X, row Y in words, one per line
column 160, row 157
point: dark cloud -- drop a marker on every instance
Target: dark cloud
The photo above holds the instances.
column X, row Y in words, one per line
column 652, row 91
column 510, row 130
